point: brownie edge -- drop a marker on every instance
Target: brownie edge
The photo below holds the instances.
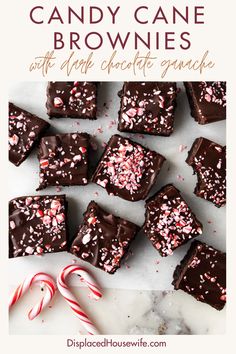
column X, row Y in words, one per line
column 103, row 239
column 202, row 274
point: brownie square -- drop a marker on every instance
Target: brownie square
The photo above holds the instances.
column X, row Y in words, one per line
column 103, row 239
column 25, row 129
column 67, row 99
column 63, row 160
column 207, row 100
column 127, row 169
column 37, row 225
column 208, row 160
column 147, row 107
column 202, row 274
column 169, row 222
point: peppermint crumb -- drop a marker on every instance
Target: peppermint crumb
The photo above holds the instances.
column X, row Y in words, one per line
column 100, row 130
column 141, row 136
column 182, row 147
column 180, row 178
column 111, row 123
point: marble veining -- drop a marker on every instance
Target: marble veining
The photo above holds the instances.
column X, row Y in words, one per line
column 123, row 312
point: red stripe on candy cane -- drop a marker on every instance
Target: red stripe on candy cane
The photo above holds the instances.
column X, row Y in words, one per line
column 42, row 279
column 71, row 299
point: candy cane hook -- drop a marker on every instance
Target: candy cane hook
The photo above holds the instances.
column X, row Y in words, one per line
column 41, row 278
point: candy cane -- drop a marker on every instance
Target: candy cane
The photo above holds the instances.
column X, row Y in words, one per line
column 71, row 299
column 41, row 278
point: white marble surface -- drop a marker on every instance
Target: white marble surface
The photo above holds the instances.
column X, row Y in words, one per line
column 144, row 273
column 121, row 312
column 142, row 264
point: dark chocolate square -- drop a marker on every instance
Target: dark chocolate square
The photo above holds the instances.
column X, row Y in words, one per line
column 69, row 99
column 202, row 274
column 208, row 160
column 207, row 100
column 147, row 107
column 63, row 160
column 127, row 169
column 103, row 239
column 169, row 222
column 37, row 225
column 25, row 129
